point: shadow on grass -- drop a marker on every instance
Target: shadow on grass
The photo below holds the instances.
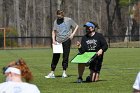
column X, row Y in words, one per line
column 90, row 82
column 60, row 76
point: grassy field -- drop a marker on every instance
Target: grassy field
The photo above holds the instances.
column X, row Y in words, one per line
column 118, row 73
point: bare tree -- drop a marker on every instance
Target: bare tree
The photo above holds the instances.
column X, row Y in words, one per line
column 33, row 31
column 44, row 20
column 17, row 19
column 1, row 12
column 59, row 2
column 100, row 17
column 26, row 20
column 35, row 17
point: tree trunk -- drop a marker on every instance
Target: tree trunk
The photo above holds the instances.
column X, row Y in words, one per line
column 100, row 17
column 1, row 12
column 17, row 19
column 26, row 22
column 59, row 2
column 33, row 32
column 44, row 20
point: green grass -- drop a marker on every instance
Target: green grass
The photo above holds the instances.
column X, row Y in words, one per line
column 118, row 73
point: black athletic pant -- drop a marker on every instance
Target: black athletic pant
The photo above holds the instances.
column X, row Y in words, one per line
column 96, row 64
column 66, row 50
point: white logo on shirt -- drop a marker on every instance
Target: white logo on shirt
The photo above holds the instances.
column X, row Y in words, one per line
column 91, row 44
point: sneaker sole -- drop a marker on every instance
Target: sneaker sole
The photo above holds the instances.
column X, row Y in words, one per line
column 64, row 77
column 49, row 77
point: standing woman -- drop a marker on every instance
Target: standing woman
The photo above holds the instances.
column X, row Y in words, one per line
column 62, row 33
column 16, row 73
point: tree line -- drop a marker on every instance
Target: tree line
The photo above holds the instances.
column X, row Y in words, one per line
column 34, row 18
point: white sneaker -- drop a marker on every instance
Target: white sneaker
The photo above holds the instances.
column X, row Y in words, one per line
column 64, row 75
column 50, row 75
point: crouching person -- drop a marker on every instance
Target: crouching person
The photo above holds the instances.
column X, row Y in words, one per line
column 92, row 42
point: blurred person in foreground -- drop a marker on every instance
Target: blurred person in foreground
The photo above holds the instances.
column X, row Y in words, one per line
column 92, row 42
column 136, row 85
column 62, row 33
column 18, row 76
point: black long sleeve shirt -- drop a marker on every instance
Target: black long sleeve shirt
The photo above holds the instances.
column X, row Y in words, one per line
column 93, row 43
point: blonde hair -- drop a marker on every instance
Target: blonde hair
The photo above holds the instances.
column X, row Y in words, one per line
column 25, row 71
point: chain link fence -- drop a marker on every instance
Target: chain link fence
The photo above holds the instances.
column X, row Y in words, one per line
column 46, row 42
